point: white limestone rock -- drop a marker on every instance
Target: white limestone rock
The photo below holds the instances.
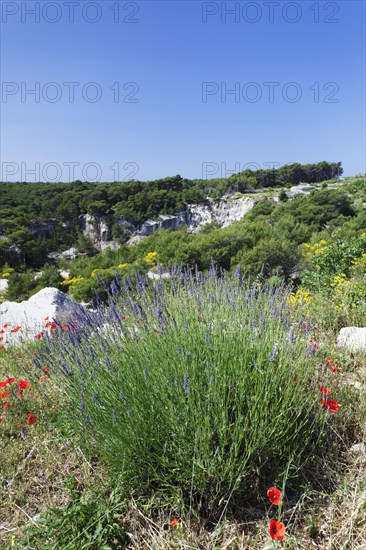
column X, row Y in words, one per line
column 154, row 275
column 353, row 338
column 222, row 211
column 47, row 306
column 3, row 285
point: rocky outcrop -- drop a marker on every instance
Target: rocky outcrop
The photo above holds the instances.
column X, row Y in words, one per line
column 299, row 189
column 224, row 212
column 163, row 222
column 42, row 230
column 24, row 321
column 15, row 254
column 69, row 254
column 96, row 229
column 352, row 338
column 99, row 231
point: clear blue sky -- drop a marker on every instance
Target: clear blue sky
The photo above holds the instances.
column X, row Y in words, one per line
column 177, row 123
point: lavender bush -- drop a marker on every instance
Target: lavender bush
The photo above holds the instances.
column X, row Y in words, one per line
column 195, row 389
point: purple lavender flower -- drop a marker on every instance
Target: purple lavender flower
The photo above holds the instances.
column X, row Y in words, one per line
column 292, row 335
column 273, row 353
column 185, row 383
column 114, row 288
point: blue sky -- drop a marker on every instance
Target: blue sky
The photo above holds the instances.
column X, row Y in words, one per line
column 172, row 62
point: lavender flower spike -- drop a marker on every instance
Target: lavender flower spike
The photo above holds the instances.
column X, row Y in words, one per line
column 185, row 383
column 273, row 354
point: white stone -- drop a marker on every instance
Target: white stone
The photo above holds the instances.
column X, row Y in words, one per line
column 69, row 254
column 113, row 245
column 358, row 449
column 157, row 276
column 353, row 338
column 301, row 188
column 224, row 212
column 30, row 314
column 135, row 239
column 64, row 273
column 3, row 285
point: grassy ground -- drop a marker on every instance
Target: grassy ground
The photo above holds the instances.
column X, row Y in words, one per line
column 46, row 469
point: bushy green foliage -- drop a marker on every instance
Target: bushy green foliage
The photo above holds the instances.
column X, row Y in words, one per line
column 93, row 523
column 336, row 272
column 294, row 174
column 24, row 284
column 266, row 242
column 198, row 390
column 336, row 257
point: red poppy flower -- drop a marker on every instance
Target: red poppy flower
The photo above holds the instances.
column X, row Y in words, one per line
column 174, row 522
column 46, row 369
column 5, row 325
column 45, row 318
column 42, row 377
column 8, row 381
column 277, row 529
column 6, row 405
column 1, row 338
column 329, row 363
column 53, row 327
column 4, row 394
column 1, row 419
column 274, row 495
column 2, row 331
column 65, row 327
column 23, row 384
column 324, row 390
column 330, row 405
column 19, row 425
column 48, row 324
column 16, row 329
column 2, row 347
column 31, row 419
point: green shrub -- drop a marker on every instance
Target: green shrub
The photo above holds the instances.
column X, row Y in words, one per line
column 199, row 391
column 93, row 523
column 22, row 285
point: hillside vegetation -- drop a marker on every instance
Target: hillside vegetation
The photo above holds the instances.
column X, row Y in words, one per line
column 24, row 206
column 314, row 241
column 207, row 409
